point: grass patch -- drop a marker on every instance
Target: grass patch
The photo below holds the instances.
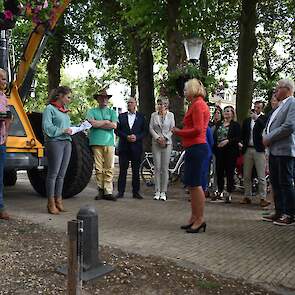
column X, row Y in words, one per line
column 208, row 284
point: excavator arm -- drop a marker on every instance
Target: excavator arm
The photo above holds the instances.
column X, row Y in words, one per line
column 24, row 144
column 33, row 50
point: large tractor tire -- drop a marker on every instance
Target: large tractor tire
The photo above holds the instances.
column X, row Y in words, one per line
column 78, row 173
column 10, row 177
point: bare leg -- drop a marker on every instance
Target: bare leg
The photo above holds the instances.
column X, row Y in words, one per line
column 198, row 205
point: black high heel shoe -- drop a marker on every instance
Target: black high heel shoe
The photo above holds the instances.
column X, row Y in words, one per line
column 196, row 230
column 187, row 226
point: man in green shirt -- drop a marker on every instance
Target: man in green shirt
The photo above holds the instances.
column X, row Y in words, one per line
column 102, row 141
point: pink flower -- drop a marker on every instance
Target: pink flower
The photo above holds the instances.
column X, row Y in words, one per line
column 8, row 15
column 45, row 5
column 36, row 19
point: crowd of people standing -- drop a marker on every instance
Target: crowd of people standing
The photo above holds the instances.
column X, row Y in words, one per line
column 266, row 141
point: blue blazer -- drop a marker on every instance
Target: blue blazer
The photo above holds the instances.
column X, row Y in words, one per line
column 123, row 130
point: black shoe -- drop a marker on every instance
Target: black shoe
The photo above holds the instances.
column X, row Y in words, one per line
column 137, row 196
column 196, row 230
column 109, row 197
column 100, row 194
column 120, row 195
column 187, row 226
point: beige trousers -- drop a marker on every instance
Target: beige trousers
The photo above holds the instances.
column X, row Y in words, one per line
column 257, row 159
column 104, row 165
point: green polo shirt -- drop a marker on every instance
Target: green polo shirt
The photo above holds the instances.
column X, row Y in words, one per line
column 100, row 136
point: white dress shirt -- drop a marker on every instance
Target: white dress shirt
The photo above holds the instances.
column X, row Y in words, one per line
column 276, row 111
column 131, row 119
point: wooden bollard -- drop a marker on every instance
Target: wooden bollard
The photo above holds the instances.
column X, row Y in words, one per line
column 75, row 230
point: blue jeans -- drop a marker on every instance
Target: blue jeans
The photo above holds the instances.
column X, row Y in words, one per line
column 2, row 163
column 282, row 181
column 58, row 156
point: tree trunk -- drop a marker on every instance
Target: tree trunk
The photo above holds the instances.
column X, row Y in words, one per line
column 175, row 55
column 55, row 60
column 133, row 89
column 246, row 50
column 145, row 77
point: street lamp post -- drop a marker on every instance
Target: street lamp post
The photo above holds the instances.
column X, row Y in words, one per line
column 193, row 47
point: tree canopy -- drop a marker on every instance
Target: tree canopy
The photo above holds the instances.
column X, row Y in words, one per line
column 128, row 37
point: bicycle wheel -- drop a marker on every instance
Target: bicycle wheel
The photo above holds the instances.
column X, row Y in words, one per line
column 147, row 171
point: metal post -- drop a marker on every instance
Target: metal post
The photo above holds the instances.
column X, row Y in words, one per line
column 91, row 266
column 75, row 230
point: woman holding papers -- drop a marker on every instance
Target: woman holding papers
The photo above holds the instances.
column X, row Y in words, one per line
column 57, row 134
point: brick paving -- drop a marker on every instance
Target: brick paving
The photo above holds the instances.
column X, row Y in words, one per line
column 236, row 243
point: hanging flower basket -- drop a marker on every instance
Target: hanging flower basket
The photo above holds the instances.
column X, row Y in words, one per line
column 11, row 10
column 37, row 11
column 41, row 11
column 176, row 79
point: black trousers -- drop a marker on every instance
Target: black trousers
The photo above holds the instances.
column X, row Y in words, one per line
column 281, row 170
column 124, row 159
column 225, row 167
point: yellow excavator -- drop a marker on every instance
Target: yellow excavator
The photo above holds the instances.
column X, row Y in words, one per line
column 25, row 150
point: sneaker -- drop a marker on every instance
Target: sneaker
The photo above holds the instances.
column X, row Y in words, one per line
column 163, row 196
column 284, row 220
column 245, row 200
column 157, row 196
column 264, row 203
column 271, row 218
column 216, row 198
column 227, row 198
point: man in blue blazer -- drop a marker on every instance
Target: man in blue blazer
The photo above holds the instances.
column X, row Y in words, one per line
column 131, row 130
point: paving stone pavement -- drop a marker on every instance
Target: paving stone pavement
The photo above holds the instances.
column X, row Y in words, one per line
column 236, row 243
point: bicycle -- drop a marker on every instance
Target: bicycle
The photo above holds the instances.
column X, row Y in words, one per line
column 176, row 167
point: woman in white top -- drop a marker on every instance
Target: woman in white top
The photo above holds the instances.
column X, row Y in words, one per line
column 161, row 124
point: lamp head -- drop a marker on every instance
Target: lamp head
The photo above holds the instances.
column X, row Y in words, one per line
column 193, row 47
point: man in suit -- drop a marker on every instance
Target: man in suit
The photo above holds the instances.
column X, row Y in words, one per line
column 280, row 139
column 131, row 130
column 254, row 153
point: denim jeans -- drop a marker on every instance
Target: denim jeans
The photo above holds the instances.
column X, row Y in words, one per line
column 282, row 181
column 2, row 163
column 58, row 156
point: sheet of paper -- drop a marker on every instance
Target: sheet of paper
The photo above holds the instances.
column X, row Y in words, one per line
column 84, row 126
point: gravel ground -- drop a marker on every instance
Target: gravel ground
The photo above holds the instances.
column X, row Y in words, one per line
column 30, row 254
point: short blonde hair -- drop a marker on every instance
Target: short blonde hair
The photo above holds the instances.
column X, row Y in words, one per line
column 194, row 87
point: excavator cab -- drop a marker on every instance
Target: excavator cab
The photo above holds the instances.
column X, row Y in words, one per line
column 25, row 149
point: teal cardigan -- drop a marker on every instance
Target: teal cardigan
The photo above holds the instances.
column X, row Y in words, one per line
column 54, row 122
